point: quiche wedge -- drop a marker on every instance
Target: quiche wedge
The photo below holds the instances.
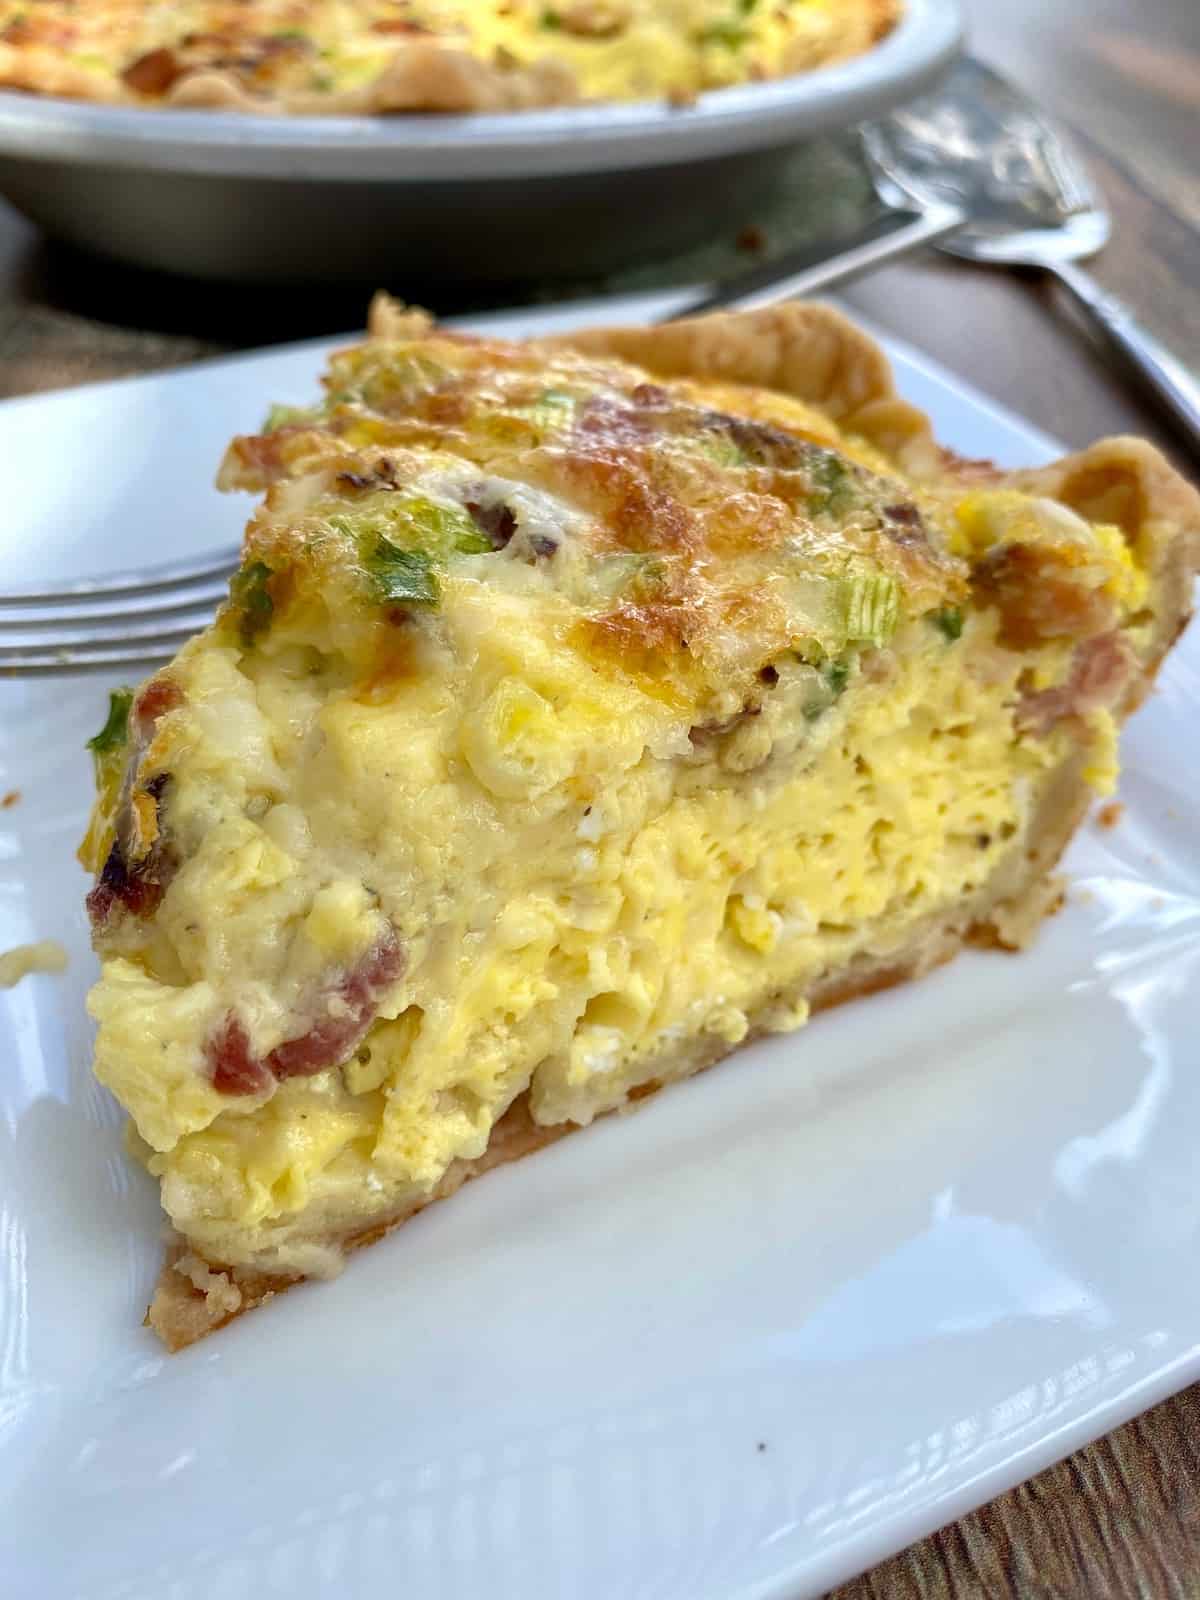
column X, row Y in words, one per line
column 582, row 709
column 311, row 57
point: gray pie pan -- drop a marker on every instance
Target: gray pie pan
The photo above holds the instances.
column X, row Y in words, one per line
column 532, row 195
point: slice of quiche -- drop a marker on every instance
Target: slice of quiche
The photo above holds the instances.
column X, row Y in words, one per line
column 582, row 709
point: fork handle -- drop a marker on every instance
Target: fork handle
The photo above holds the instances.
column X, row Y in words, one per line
column 1177, row 390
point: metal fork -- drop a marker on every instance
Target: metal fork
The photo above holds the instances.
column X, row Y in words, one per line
column 136, row 618
column 124, row 619
column 982, row 144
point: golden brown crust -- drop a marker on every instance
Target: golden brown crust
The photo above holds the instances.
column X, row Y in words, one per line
column 1129, row 483
column 45, row 75
column 421, row 77
column 215, row 90
column 815, row 354
column 429, row 77
column 808, row 351
column 391, row 319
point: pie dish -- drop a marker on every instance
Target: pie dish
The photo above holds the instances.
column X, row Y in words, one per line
column 582, row 708
column 325, row 56
column 419, row 191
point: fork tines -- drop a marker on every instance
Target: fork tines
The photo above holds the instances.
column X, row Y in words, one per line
column 125, row 619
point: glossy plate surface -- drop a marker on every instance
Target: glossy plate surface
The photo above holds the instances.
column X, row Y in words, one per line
column 784, row 1320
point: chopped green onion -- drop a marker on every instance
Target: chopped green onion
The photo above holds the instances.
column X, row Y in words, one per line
column 445, row 530
column 404, row 538
column 410, row 521
column 727, row 31
column 552, row 409
column 284, row 417
column 872, row 608
column 249, row 594
column 948, row 621
column 404, row 577
column 113, row 734
column 721, row 451
column 832, row 484
column 837, row 675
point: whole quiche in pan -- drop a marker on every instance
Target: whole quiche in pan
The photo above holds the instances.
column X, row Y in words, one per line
column 583, row 708
column 348, row 56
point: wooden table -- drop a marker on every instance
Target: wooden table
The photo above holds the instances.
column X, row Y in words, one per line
column 1121, row 1518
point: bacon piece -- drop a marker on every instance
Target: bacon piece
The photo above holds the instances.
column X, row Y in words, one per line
column 761, row 442
column 1100, row 669
column 284, row 44
column 137, row 888
column 352, row 1003
column 349, row 1004
column 1039, row 597
column 655, row 414
column 969, row 469
column 381, row 476
column 906, row 514
column 904, row 524
column 398, row 25
column 616, row 424
column 595, row 19
column 135, row 877
column 498, row 522
column 234, row 1067
column 154, row 73
column 208, row 41
column 46, row 31
column 259, row 455
column 160, row 695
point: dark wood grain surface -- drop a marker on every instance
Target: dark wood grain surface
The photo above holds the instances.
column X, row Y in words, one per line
column 1122, row 1517
column 1126, row 74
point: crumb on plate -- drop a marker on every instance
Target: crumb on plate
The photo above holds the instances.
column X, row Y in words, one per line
column 47, row 955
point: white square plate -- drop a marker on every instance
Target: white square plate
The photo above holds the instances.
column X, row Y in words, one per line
column 790, row 1317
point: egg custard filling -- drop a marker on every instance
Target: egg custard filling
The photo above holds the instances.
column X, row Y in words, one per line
column 580, row 710
column 324, row 56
